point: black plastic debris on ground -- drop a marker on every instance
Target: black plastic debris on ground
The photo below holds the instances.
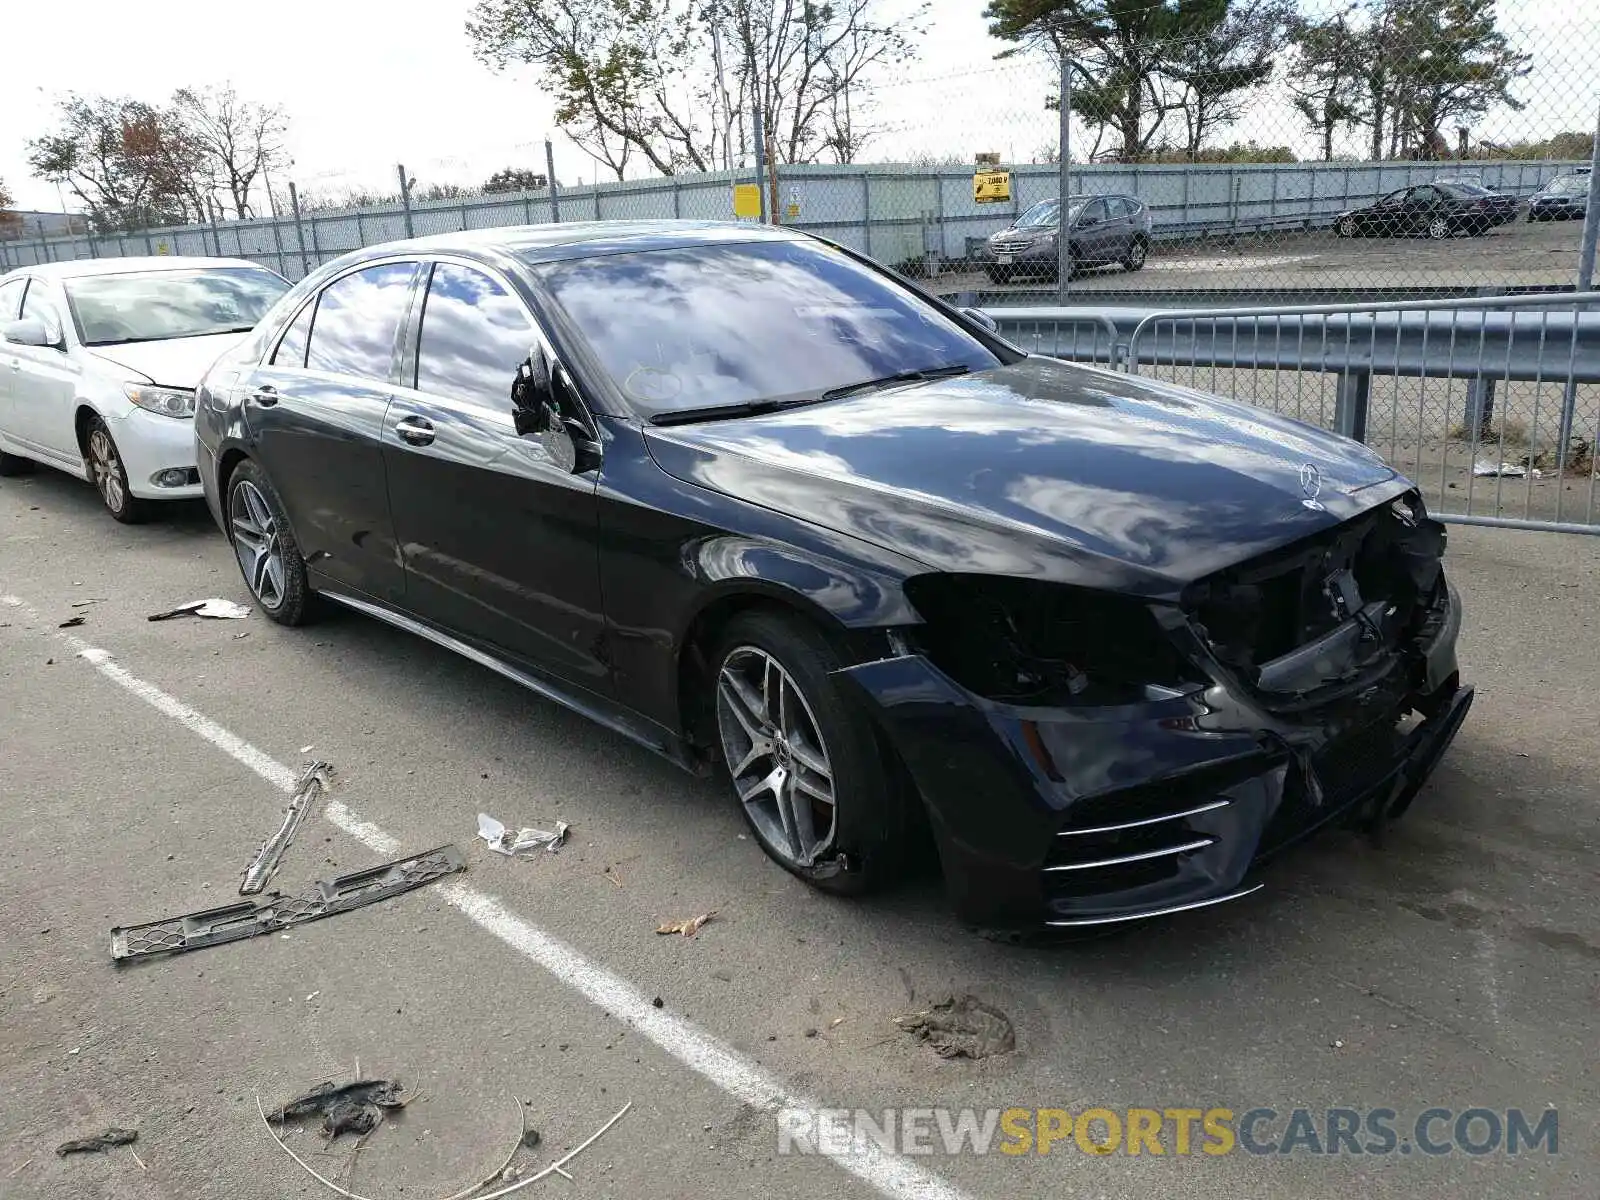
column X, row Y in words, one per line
column 356, row 1108
column 250, row 918
column 101, row 1141
column 961, row 1027
column 72, row 622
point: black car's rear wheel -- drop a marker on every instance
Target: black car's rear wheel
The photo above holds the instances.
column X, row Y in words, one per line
column 269, row 557
column 806, row 767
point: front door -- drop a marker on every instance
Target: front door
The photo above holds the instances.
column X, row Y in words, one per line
column 499, row 542
column 44, row 382
column 1091, row 234
column 316, row 411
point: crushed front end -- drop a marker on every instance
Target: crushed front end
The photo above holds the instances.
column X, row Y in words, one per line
column 1090, row 758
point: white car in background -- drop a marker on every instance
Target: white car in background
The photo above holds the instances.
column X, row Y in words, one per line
column 99, row 360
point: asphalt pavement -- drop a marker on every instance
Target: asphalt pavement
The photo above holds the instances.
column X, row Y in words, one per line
column 1457, row 965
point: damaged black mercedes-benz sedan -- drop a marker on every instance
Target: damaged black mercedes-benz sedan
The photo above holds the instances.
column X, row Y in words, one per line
column 749, row 500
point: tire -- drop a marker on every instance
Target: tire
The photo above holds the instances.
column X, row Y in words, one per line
column 263, row 543
column 14, row 464
column 1438, row 229
column 110, row 478
column 1344, row 227
column 868, row 832
column 1138, row 251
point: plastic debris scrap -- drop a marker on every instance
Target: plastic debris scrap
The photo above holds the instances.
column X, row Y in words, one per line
column 316, row 780
column 521, row 841
column 212, row 609
column 346, row 1108
column 101, row 1141
column 1488, row 469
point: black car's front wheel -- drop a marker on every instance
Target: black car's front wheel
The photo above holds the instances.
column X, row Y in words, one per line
column 1438, row 228
column 1345, row 227
column 269, row 557
column 806, row 767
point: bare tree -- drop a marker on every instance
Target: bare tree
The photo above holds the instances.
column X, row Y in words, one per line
column 240, row 139
column 638, row 76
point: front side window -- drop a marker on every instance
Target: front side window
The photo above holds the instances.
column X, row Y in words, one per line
column 1395, row 197
column 156, row 306
column 474, row 335
column 11, row 298
column 358, row 318
column 709, row 326
column 37, row 306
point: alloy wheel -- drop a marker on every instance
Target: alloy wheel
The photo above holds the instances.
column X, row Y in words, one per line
column 1438, row 228
column 1136, row 254
column 106, row 468
column 775, row 753
column 256, row 541
column 1345, row 228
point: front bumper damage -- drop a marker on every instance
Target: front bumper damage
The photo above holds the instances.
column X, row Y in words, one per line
column 1082, row 817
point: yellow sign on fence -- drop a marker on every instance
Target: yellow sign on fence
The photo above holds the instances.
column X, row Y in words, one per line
column 747, row 200
column 991, row 187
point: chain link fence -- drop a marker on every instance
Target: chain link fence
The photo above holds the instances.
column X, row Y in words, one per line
column 1380, row 149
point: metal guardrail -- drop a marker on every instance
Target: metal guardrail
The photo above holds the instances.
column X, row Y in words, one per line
column 1496, row 387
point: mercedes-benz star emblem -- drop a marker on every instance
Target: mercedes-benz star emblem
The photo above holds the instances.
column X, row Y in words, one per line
column 1311, row 485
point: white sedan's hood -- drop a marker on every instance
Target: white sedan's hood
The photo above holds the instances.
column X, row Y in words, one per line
column 179, row 363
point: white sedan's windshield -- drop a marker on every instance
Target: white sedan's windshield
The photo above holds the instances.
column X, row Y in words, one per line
column 153, row 306
column 709, row 326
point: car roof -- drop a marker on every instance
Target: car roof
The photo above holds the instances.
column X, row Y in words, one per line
column 575, row 239
column 81, row 268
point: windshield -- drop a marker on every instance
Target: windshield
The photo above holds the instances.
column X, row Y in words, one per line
column 1464, row 189
column 1045, row 213
column 152, row 306
column 712, row 326
column 1568, row 183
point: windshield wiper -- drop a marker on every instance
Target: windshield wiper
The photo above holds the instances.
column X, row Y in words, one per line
column 865, row 385
column 170, row 337
column 718, row 412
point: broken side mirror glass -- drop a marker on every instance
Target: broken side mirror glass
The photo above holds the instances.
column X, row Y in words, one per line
column 542, row 408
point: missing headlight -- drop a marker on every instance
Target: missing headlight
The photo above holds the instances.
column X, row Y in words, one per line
column 1025, row 641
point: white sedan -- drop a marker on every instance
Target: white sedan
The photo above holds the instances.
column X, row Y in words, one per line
column 99, row 360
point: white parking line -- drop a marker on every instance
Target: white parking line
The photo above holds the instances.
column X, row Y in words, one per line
column 742, row 1077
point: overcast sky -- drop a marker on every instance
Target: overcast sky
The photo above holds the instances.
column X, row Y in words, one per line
column 368, row 84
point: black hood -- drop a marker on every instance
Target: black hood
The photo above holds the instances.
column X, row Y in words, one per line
column 1042, row 468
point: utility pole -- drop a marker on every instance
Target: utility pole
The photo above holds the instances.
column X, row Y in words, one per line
column 760, row 146
column 550, row 177
column 1064, row 154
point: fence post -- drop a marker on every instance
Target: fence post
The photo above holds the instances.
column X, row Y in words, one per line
column 761, row 163
column 316, row 247
column 216, row 235
column 299, row 230
column 550, row 178
column 405, row 197
column 1591, row 220
column 1064, row 170
column 1350, row 404
column 1480, row 406
column 277, row 242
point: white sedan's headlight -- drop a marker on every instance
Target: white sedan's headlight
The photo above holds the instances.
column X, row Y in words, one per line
column 168, row 402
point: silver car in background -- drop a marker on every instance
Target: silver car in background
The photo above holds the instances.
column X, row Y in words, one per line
column 1103, row 230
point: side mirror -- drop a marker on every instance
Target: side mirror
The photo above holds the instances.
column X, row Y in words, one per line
column 982, row 318
column 28, row 332
column 536, row 411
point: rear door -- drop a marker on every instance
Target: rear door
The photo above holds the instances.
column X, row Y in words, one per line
column 499, row 541
column 1119, row 227
column 315, row 411
column 44, row 381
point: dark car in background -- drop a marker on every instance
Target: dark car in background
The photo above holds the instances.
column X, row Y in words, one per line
column 1434, row 210
column 1104, row 230
column 1110, row 639
column 1564, row 198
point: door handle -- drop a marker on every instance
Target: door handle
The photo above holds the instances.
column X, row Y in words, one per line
column 266, row 395
column 415, row 431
